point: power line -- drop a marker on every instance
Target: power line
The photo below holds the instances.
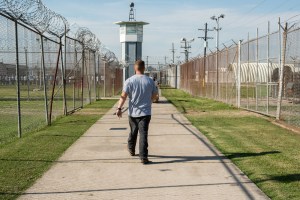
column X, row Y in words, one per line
column 246, row 13
column 259, row 4
column 261, row 18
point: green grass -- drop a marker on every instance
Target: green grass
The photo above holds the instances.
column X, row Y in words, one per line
column 33, row 117
column 23, row 161
column 268, row 154
column 32, row 111
column 10, row 91
column 35, row 92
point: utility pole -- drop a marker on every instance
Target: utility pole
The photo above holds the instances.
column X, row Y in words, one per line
column 186, row 51
column 147, row 62
column 186, row 48
column 166, row 71
column 205, row 38
column 173, row 63
column 173, row 53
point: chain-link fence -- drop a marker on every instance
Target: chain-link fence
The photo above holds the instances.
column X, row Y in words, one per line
column 46, row 74
column 251, row 73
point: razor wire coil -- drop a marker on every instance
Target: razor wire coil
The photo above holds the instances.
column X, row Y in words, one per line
column 35, row 14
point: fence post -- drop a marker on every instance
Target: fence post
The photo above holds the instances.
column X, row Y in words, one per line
column 104, row 80
column 18, row 80
column 63, row 79
column 99, row 77
column 65, row 54
column 54, row 83
column 268, row 73
column 75, row 77
column 239, row 76
column 65, row 68
column 248, row 68
column 95, row 74
column 217, row 71
column 281, row 71
column 27, row 73
column 113, row 84
column 257, row 74
column 44, row 79
column 176, row 76
column 82, row 74
column 88, row 75
column 213, row 81
column 227, row 64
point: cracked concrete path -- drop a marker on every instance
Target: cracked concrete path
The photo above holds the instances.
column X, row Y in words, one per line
column 185, row 165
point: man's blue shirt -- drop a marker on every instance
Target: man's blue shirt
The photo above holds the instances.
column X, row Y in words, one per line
column 140, row 89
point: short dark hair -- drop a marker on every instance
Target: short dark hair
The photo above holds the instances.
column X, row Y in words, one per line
column 140, row 64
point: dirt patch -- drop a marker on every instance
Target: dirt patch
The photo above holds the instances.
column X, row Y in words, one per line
column 286, row 126
column 90, row 112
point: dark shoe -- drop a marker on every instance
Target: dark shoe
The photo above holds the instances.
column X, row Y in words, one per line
column 145, row 161
column 131, row 152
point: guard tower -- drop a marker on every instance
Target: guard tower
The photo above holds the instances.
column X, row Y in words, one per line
column 131, row 38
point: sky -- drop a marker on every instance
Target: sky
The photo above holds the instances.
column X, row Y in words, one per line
column 171, row 20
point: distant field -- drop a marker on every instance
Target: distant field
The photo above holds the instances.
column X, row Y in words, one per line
column 33, row 117
column 10, row 91
column 33, row 107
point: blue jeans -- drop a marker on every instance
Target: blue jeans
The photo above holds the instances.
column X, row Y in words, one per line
column 139, row 125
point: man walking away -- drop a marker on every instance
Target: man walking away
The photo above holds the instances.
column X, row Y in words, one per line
column 141, row 91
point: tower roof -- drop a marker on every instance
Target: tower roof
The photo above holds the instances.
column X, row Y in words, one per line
column 131, row 22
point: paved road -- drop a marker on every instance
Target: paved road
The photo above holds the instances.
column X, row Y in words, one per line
column 185, row 165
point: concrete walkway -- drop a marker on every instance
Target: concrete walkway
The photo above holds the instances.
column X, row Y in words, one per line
column 185, row 165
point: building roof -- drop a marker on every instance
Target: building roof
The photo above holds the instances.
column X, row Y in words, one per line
column 261, row 71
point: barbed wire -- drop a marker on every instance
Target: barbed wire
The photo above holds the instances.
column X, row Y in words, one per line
column 35, row 14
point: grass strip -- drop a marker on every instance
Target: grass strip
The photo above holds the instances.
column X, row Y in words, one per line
column 267, row 154
column 23, row 161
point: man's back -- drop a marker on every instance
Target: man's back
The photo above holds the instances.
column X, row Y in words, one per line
column 140, row 89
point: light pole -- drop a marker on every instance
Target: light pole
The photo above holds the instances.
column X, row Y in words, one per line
column 217, row 29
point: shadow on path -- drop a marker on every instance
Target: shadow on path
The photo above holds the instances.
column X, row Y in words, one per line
column 202, row 140
column 242, row 155
column 122, row 189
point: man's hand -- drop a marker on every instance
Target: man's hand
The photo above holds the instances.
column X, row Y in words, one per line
column 155, row 97
column 119, row 113
column 121, row 103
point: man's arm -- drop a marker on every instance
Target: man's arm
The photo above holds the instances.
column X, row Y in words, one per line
column 154, row 96
column 121, row 104
column 154, row 93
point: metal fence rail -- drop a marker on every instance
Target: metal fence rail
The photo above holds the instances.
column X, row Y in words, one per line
column 45, row 72
column 251, row 73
